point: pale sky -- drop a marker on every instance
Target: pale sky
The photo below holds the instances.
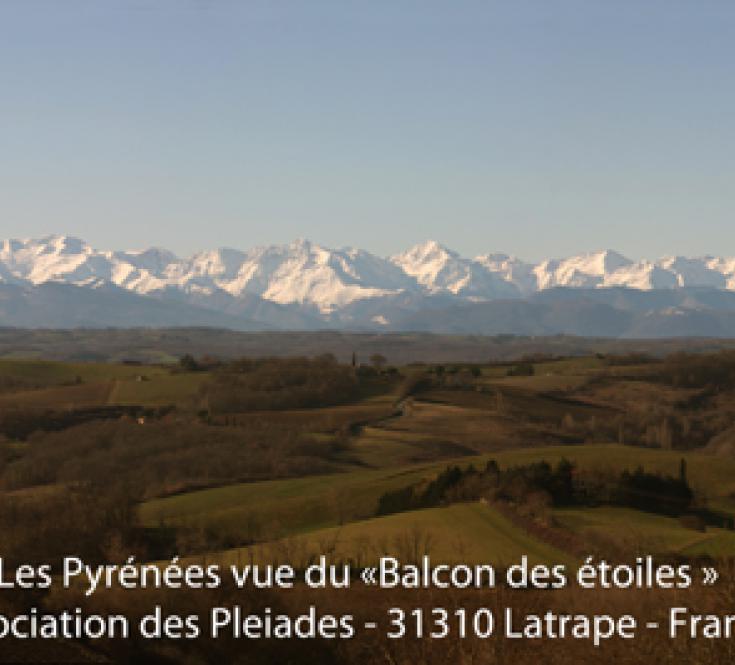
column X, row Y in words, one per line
column 532, row 127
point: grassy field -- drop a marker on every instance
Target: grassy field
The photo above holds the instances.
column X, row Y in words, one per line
column 58, row 373
column 570, row 366
column 470, row 532
column 157, row 389
column 60, row 385
column 543, row 383
column 384, row 447
column 39, row 384
column 713, row 477
column 61, row 397
column 452, row 423
column 460, row 533
column 332, row 418
column 718, row 543
column 283, row 506
column 300, row 505
column 517, row 400
column 640, row 531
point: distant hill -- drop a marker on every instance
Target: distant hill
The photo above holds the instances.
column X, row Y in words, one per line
column 170, row 344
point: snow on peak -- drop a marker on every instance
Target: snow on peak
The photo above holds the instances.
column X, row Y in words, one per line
column 511, row 269
column 441, row 270
column 587, row 270
column 305, row 273
column 53, row 258
column 695, row 272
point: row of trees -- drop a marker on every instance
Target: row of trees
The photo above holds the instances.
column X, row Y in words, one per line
column 279, row 383
column 715, row 371
column 560, row 485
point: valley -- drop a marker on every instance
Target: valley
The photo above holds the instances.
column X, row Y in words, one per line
column 267, row 460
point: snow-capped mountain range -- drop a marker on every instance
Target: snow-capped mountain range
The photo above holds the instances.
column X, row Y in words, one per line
column 305, row 285
column 306, row 273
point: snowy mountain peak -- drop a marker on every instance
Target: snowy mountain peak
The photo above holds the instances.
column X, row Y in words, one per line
column 304, row 247
column 68, row 245
column 326, row 281
column 426, row 251
column 587, row 270
column 608, row 260
column 441, row 270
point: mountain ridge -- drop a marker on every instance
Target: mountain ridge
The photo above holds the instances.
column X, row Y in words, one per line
column 332, row 277
column 304, row 285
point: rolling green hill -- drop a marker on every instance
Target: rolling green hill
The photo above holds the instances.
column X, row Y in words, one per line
column 295, row 506
column 460, row 533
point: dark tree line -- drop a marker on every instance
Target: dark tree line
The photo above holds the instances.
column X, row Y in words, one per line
column 279, row 383
column 715, row 371
column 562, row 484
column 654, row 492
